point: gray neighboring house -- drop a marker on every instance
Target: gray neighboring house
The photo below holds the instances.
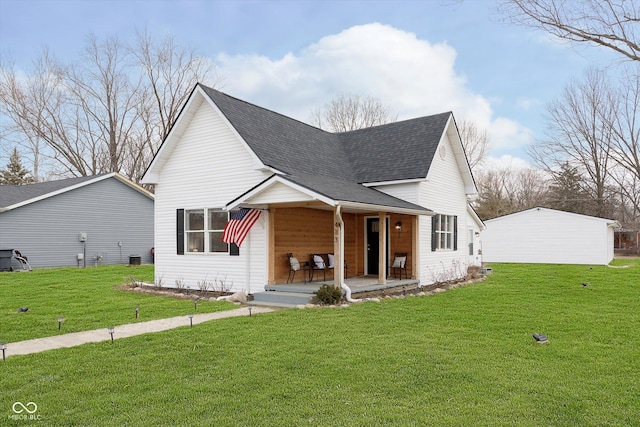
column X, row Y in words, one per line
column 87, row 221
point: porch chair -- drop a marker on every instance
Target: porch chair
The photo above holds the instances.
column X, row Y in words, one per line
column 294, row 265
column 319, row 262
column 325, row 262
column 400, row 263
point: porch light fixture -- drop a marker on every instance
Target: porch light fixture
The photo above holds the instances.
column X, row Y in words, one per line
column 477, row 233
column 3, row 347
column 110, row 329
column 60, row 320
column 191, row 320
column 399, row 228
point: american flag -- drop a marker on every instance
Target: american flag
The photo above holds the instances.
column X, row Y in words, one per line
column 239, row 225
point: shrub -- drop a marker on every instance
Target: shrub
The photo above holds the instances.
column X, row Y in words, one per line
column 329, row 294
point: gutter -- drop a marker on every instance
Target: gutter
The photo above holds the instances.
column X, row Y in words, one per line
column 343, row 285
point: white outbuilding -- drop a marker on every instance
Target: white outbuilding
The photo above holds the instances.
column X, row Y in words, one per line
column 548, row 236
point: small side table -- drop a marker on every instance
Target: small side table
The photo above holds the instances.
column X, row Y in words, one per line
column 306, row 271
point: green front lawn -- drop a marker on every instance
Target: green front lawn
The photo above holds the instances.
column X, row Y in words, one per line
column 86, row 298
column 464, row 357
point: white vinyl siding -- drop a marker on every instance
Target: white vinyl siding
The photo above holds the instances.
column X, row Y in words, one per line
column 443, row 192
column 408, row 191
column 208, row 167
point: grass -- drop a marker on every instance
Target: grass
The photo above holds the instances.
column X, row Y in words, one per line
column 463, row 357
column 86, row 298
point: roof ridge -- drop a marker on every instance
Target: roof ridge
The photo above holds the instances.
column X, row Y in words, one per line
column 265, row 109
column 397, row 122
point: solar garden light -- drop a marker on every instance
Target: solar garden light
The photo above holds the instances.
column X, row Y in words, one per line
column 110, row 329
column 195, row 303
column 60, row 320
column 137, row 308
column 191, row 320
column 250, row 311
column 3, row 347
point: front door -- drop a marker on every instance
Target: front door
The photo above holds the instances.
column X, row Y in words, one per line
column 373, row 245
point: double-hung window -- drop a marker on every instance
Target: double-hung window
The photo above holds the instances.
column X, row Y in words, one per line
column 194, row 230
column 203, row 229
column 444, row 233
column 217, row 219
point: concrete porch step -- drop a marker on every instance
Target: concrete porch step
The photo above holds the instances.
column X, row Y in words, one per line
column 281, row 299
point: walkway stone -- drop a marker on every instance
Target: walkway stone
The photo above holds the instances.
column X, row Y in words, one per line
column 122, row 331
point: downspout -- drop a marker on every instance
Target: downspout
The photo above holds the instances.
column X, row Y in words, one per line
column 344, row 286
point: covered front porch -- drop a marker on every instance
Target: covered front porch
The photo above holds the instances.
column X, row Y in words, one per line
column 363, row 233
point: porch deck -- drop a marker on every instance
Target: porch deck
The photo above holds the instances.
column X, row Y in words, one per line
column 357, row 285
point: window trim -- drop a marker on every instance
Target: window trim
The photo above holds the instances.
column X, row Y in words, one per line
column 206, row 232
column 444, row 239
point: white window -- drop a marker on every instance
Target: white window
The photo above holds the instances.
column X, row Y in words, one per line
column 444, row 232
column 203, row 230
column 215, row 227
column 194, row 230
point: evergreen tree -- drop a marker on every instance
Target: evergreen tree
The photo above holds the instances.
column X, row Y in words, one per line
column 14, row 173
column 567, row 191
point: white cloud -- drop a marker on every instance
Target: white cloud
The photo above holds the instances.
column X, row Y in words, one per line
column 527, row 103
column 411, row 76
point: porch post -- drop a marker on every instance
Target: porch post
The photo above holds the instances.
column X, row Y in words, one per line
column 271, row 247
column 338, row 248
column 382, row 253
column 415, row 247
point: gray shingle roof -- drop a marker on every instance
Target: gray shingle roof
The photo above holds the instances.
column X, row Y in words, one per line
column 335, row 164
column 285, row 143
column 395, row 151
column 13, row 194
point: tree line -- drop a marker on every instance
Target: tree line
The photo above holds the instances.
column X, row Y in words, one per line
column 107, row 112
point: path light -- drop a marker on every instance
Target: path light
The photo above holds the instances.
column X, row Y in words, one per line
column 191, row 320
column 60, row 320
column 3, row 347
column 137, row 308
column 110, row 330
column 250, row 311
column 195, row 304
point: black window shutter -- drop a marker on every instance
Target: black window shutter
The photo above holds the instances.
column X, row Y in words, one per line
column 434, row 243
column 234, row 250
column 180, row 231
column 455, row 233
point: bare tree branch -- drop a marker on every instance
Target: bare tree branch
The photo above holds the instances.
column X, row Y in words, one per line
column 614, row 24
column 351, row 112
column 579, row 132
column 475, row 142
column 106, row 113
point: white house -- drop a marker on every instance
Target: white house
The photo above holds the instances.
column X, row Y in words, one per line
column 364, row 196
column 548, row 236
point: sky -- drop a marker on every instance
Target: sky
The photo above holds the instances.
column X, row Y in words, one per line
column 419, row 57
